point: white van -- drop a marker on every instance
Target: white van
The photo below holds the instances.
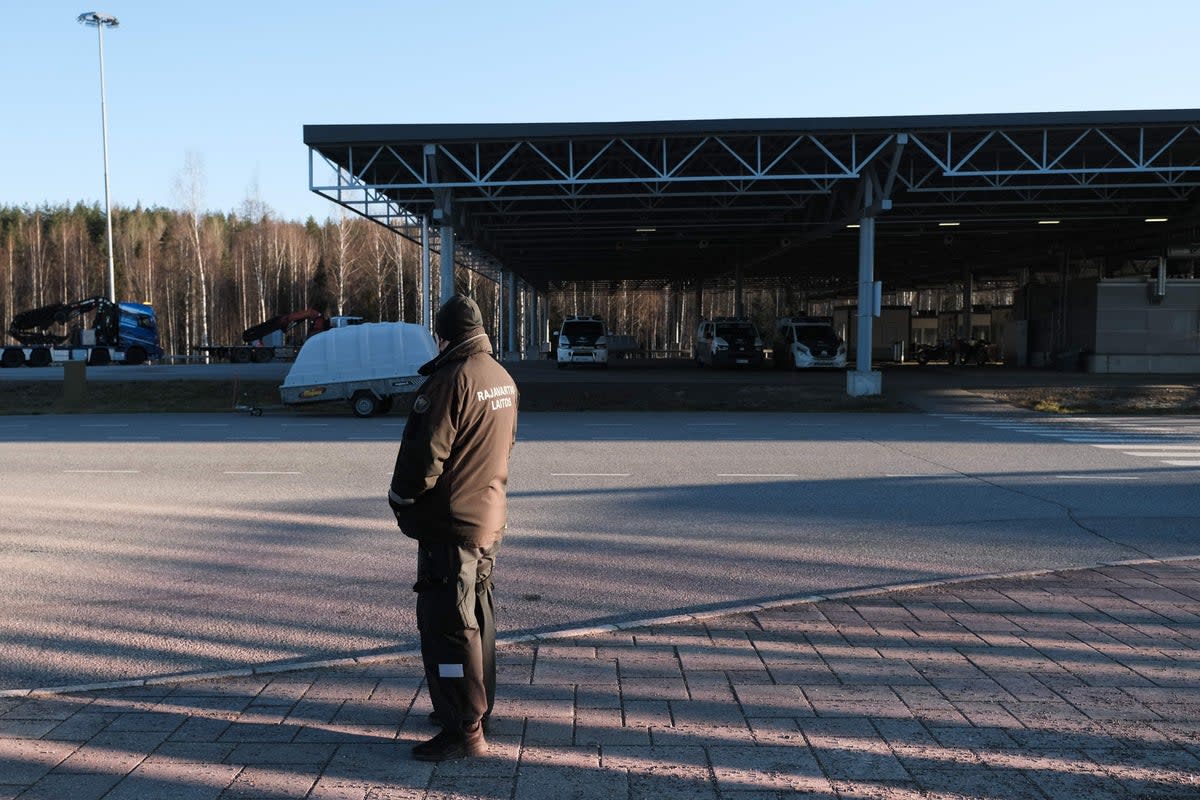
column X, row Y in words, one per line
column 728, row 342
column 582, row 340
column 803, row 342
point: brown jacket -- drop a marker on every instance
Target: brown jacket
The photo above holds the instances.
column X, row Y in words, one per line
column 453, row 459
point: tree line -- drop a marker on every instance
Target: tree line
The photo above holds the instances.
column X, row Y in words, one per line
column 211, row 275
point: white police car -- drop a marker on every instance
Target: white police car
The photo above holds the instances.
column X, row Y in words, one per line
column 582, row 340
column 728, row 342
column 804, row 342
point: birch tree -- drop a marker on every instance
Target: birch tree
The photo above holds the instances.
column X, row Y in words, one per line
column 257, row 215
column 379, row 252
column 189, row 191
column 343, row 263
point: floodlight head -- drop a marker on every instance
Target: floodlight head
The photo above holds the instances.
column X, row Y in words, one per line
column 97, row 19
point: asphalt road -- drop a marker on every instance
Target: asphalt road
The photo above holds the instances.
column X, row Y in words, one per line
column 157, row 544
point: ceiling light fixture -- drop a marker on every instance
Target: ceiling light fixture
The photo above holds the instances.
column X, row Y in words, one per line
column 947, row 224
column 644, row 230
column 1156, row 219
column 1048, row 221
column 854, row 225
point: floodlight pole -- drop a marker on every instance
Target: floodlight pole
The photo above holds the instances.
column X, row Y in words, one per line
column 99, row 20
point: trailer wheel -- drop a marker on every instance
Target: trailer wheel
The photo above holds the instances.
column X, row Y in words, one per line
column 364, row 404
column 240, row 355
column 135, row 355
column 262, row 355
column 40, row 357
column 99, row 357
column 12, row 357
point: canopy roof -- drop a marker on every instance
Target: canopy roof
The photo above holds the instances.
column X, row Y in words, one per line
column 686, row 199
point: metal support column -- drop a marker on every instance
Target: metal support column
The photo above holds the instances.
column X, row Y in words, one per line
column 968, row 293
column 544, row 323
column 1060, row 332
column 523, row 311
column 510, row 301
column 863, row 380
column 534, row 326
column 498, row 316
column 426, row 317
column 739, row 300
column 446, row 263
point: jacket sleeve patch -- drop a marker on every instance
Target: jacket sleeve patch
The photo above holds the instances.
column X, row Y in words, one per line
column 421, row 404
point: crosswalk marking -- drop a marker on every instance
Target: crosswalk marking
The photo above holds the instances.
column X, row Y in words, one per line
column 1154, row 446
column 1174, row 442
column 1099, row 477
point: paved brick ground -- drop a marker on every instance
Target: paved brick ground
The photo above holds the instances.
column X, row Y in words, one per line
column 1082, row 684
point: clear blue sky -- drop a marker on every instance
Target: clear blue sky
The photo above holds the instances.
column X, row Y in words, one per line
column 234, row 82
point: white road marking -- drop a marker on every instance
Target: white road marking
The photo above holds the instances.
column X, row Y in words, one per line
column 104, row 424
column 260, row 472
column 1142, row 428
column 7, row 425
column 589, row 474
column 102, row 471
column 1105, row 439
column 757, row 475
column 1147, row 446
column 1163, row 454
column 1016, row 426
column 304, row 424
column 1099, row 477
column 1173, row 442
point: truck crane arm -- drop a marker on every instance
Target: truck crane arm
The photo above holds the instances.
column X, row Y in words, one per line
column 33, row 327
column 281, row 322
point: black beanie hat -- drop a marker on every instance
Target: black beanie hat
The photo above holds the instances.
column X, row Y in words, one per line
column 457, row 316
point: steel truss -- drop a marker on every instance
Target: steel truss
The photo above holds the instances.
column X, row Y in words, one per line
column 535, row 197
column 369, row 202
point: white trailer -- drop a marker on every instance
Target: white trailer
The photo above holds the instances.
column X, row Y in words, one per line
column 368, row 365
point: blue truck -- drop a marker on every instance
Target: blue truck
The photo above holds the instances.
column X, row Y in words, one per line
column 120, row 333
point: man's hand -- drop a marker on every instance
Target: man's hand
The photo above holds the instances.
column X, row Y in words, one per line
column 398, row 503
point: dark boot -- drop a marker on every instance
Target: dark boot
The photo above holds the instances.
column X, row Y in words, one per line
column 436, row 720
column 449, row 745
